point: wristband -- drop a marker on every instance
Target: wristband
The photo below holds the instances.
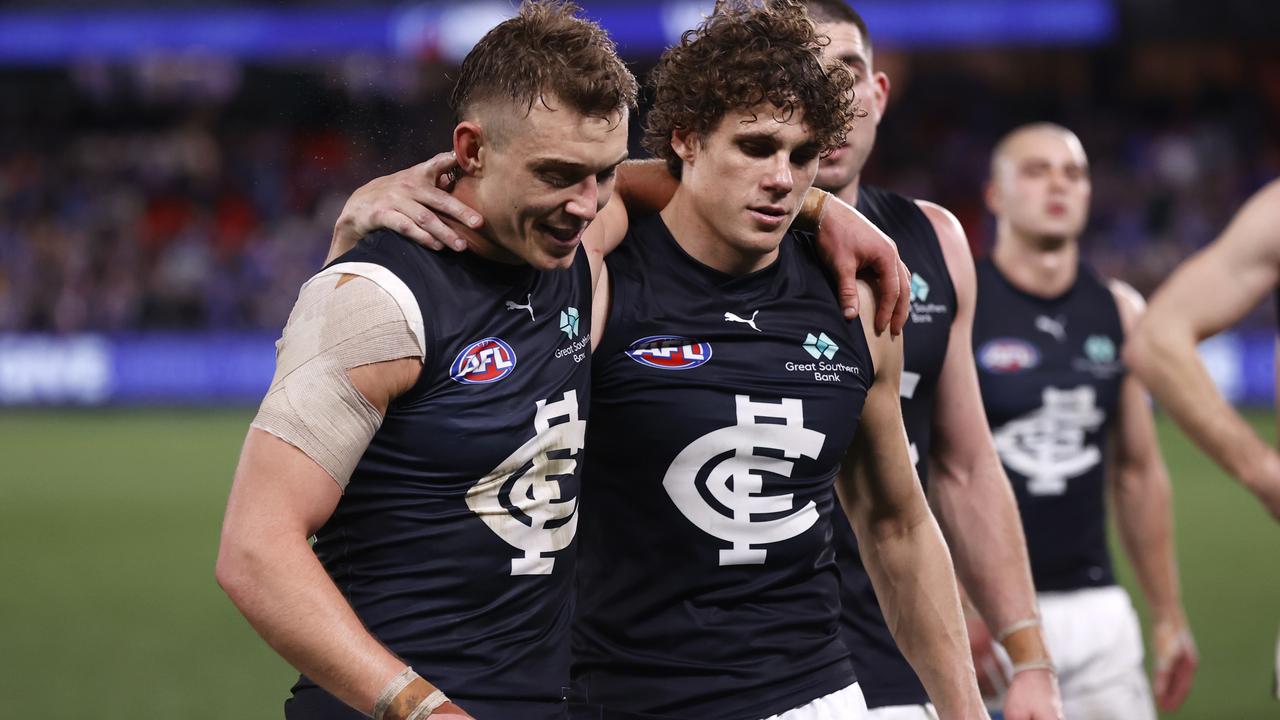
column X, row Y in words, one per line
column 1038, row 665
column 428, row 706
column 814, row 206
column 393, row 688
column 1015, row 627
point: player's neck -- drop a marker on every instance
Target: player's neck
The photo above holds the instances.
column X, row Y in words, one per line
column 849, row 193
column 1043, row 269
column 703, row 242
column 479, row 242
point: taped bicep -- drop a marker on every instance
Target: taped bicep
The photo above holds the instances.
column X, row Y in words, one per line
column 348, row 316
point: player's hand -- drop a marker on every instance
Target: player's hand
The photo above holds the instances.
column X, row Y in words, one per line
column 1033, row 695
column 1176, row 662
column 850, row 245
column 410, row 202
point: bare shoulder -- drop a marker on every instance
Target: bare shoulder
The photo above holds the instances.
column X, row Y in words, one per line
column 951, row 237
column 1129, row 302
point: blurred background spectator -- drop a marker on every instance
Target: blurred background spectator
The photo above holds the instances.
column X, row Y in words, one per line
column 196, row 190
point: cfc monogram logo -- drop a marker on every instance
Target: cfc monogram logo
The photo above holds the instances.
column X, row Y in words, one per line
column 1048, row 445
column 733, row 474
column 521, row 500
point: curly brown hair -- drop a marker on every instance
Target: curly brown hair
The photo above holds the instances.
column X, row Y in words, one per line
column 744, row 55
column 546, row 49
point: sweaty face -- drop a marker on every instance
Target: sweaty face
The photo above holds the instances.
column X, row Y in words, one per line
column 1041, row 185
column 747, row 179
column 545, row 178
column 847, row 45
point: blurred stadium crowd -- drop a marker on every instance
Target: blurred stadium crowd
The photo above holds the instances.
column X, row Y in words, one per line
column 198, row 194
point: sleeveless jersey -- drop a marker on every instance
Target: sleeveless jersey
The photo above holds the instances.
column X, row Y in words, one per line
column 884, row 674
column 1050, row 373
column 723, row 407
column 454, row 541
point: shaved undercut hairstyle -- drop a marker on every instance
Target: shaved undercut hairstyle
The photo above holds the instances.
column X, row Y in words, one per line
column 546, row 50
column 746, row 54
column 837, row 11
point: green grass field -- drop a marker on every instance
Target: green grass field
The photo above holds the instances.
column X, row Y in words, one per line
column 109, row 526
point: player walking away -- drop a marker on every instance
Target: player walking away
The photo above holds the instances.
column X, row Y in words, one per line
column 1242, row 267
column 430, row 436
column 1071, row 426
column 941, row 405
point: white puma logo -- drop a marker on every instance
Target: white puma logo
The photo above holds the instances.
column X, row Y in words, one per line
column 518, row 306
column 730, row 317
column 1057, row 327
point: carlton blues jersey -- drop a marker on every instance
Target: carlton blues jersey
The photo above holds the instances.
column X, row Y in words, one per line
column 454, row 541
column 723, row 407
column 884, row 674
column 1050, row 373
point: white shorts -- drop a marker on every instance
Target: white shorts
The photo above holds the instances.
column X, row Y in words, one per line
column 1096, row 643
column 905, row 712
column 846, row 704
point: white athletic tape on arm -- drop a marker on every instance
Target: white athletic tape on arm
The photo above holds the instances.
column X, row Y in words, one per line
column 312, row 403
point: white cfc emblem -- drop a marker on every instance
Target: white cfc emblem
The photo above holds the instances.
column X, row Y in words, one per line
column 733, row 476
column 521, row 499
column 1047, row 445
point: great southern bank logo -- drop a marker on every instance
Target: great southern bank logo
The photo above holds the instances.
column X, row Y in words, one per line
column 668, row 352
column 483, row 361
column 919, row 288
column 569, row 322
column 820, row 346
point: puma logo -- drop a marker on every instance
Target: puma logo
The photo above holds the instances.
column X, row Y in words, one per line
column 518, row 306
column 730, row 317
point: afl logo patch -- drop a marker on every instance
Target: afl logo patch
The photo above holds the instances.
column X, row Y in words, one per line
column 1008, row 355
column 483, row 361
column 668, row 352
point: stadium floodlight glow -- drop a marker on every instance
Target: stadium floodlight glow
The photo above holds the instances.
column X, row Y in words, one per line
column 449, row 29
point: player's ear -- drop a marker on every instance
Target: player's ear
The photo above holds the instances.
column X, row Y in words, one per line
column 468, row 146
column 685, row 145
column 880, row 94
column 991, row 196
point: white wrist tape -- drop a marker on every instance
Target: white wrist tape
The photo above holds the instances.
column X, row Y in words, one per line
column 1014, row 627
column 427, row 706
column 312, row 403
column 393, row 688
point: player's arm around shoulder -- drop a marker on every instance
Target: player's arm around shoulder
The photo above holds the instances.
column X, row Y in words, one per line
column 352, row 345
column 903, row 549
column 1144, row 507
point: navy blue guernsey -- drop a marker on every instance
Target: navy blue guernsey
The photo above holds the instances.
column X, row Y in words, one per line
column 1050, row 373
column 722, row 409
column 884, row 674
column 454, row 541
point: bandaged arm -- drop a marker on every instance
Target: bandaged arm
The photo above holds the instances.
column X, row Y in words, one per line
column 353, row 344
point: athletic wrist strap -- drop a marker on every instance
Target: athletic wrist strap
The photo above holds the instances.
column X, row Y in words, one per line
column 428, row 706
column 393, row 688
column 1038, row 665
column 814, row 207
column 1014, row 627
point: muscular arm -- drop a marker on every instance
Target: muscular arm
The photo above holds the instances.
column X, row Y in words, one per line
column 281, row 495
column 903, row 549
column 1207, row 294
column 973, row 498
column 1143, row 510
